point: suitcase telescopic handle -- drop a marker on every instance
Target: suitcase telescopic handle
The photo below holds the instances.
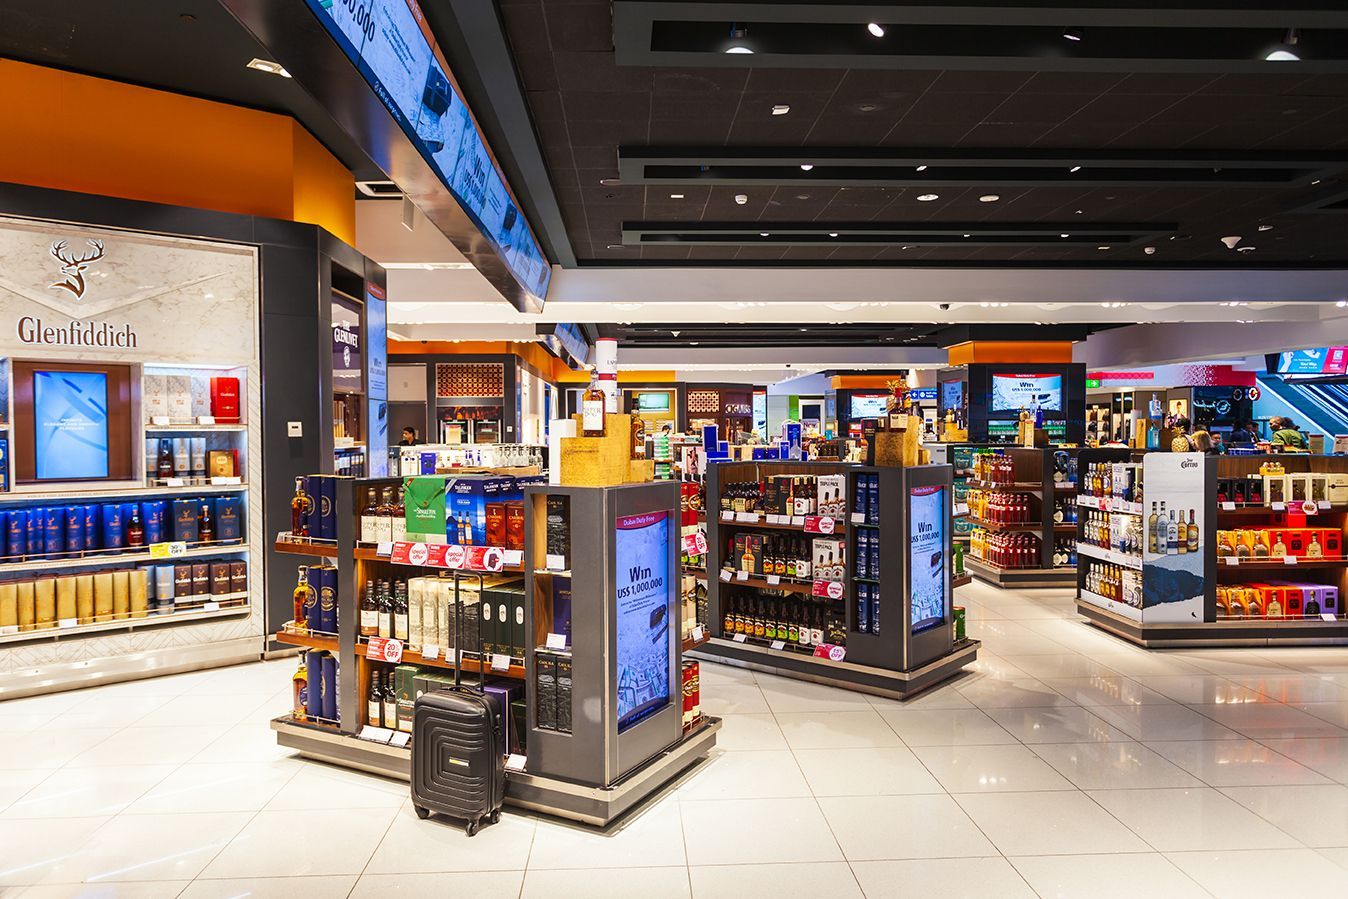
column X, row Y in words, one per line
column 458, row 633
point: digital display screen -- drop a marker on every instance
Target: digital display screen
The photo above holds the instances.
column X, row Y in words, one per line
column 869, row 406
column 391, row 45
column 376, row 326
column 645, row 602
column 653, row 402
column 1013, row 392
column 348, row 366
column 70, row 425
column 1325, row 360
column 952, row 395
column 929, row 576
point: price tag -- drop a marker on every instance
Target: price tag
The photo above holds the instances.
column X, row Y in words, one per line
column 777, row 644
column 400, row 739
column 384, row 649
column 226, row 480
column 727, row 516
column 175, row 482
column 725, row 574
column 384, row 550
column 860, row 517
column 830, row 589
column 798, row 521
column 774, row 579
column 515, row 762
column 375, row 734
column 1232, row 560
column 1327, row 616
column 740, row 638
column 1323, row 504
column 741, row 575
column 513, row 558
column 697, row 634
column 1289, row 560
column 556, row 641
column 500, row 662
column 68, row 622
column 160, row 421
column 205, row 419
column 430, row 652
column 210, row 606
column 1278, row 507
column 772, row 518
column 747, row 517
column 1228, row 507
column 555, row 563
column 169, row 550
column 695, row 544
column 961, row 508
column 7, row 629
column 837, row 653
column 819, row 524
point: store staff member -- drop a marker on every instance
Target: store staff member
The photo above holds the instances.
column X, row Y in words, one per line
column 409, row 437
column 1285, row 434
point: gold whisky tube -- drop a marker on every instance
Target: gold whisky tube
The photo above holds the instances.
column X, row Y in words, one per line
column 84, row 597
column 121, row 593
column 44, row 596
column 27, row 603
column 103, row 596
column 65, row 600
column 140, row 591
column 9, row 607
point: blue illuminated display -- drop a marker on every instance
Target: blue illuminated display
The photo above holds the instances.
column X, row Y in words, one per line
column 392, row 47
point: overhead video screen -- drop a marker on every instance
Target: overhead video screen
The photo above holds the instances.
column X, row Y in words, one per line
column 1325, row 360
column 869, row 406
column 1013, row 392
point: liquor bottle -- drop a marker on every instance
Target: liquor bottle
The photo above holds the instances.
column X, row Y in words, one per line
column 1312, row 608
column 303, row 601
column 1192, row 533
column 1173, row 546
column 1151, row 531
column 1279, row 548
column 385, row 610
column 399, row 522
column 299, row 691
column 164, row 461
column 1274, row 607
column 369, row 518
column 384, row 517
column 728, row 624
column 400, row 610
column 390, row 702
column 374, row 701
column 300, row 506
column 592, row 410
column 1261, row 544
column 1313, row 549
column 135, row 529
column 638, row 437
column 1162, row 533
column 369, row 612
column 206, row 524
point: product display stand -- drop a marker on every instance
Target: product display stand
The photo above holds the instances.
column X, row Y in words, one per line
column 605, row 731
column 1033, row 476
column 1270, row 571
column 878, row 639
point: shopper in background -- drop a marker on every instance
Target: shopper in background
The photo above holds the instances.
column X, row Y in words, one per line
column 667, row 429
column 1285, row 434
column 1243, row 433
column 1203, row 442
column 1182, row 441
column 409, row 437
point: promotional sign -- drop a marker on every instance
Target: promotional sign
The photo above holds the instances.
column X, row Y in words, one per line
column 424, row 505
column 1173, row 581
column 391, row 45
column 70, row 425
column 645, row 600
column 929, row 577
column 348, row 367
column 869, row 406
column 922, row 394
column 1325, row 360
column 376, row 328
column 449, row 556
column 1013, row 392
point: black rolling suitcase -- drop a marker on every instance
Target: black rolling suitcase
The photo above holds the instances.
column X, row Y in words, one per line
column 458, row 768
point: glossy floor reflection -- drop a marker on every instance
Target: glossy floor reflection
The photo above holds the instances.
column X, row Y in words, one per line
column 1066, row 764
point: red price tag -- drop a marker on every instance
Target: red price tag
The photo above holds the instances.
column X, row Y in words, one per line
column 819, row 524
column 829, row 589
column 695, row 544
column 450, row 556
column 383, row 649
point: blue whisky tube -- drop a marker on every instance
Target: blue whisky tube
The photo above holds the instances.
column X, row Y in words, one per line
column 154, row 515
column 313, row 517
column 114, row 533
column 185, row 521
column 91, row 527
column 74, row 529
column 326, row 589
column 54, row 530
column 36, row 518
column 16, row 533
column 314, row 663
column 228, row 523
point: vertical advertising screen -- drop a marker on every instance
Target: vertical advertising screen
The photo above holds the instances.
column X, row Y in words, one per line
column 70, row 418
column 929, row 576
column 376, row 331
column 645, row 604
column 348, row 366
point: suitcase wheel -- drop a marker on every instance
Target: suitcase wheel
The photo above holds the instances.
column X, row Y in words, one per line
column 496, row 817
column 471, row 828
column 422, row 813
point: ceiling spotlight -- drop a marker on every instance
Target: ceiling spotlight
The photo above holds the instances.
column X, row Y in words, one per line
column 781, row 109
column 1150, row 251
column 927, row 198
column 1287, row 50
column 1315, row 182
column 737, row 35
column 266, row 65
column 676, row 196
column 805, row 167
column 762, row 234
column 1072, row 34
column 1265, row 227
column 1246, row 249
column 615, row 246
column 875, row 30
column 1102, row 248
column 922, row 168
column 738, row 48
column 608, row 181
column 1074, row 169
column 833, row 234
column 1064, row 235
column 741, row 199
column 989, row 198
column 1231, row 241
column 968, row 235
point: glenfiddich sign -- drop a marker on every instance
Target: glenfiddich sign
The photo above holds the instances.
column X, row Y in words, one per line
column 91, row 334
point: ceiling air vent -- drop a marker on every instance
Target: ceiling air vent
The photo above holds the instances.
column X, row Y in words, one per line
column 380, row 190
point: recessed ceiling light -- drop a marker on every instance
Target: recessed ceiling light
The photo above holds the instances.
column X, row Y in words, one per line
column 1074, row 169
column 676, row 196
column 608, row 181
column 1102, row 248
column 737, row 49
column 805, row 167
column 927, row 198
column 615, row 246
column 867, row 107
column 876, row 29
column 1072, row 34
column 1265, row 227
column 781, row 109
column 1064, row 235
column 762, row 234
column 989, row 198
column 968, row 235
column 741, row 199
column 833, row 234
column 266, row 65
column 922, row 168
column 1287, row 50
column 1315, row 182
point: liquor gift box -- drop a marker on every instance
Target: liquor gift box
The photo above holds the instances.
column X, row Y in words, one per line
column 154, row 397
column 185, row 522
column 225, row 400
column 228, row 526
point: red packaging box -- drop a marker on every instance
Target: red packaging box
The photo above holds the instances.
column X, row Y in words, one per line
column 1296, row 540
column 1331, row 541
column 496, row 524
column 225, row 400
column 514, row 526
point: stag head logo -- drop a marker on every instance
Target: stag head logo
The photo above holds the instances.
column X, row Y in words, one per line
column 73, row 266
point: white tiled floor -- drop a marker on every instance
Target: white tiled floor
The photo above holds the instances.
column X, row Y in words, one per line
column 1066, row 764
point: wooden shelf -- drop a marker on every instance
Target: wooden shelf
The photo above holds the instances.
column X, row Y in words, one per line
column 110, row 558
column 1278, row 564
column 839, row 525
column 788, row 585
column 960, row 580
column 690, row 644
column 304, row 547
column 469, row 665
column 1008, row 526
column 1016, row 487
column 311, row 640
column 1253, row 511
column 692, row 571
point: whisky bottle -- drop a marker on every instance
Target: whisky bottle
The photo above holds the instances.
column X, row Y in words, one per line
column 390, row 702
column 206, row 524
column 1193, row 533
column 400, row 610
column 369, row 518
column 1313, row 549
column 1279, row 548
column 164, row 461
column 369, row 612
column 728, row 624
column 1151, row 531
column 385, row 610
column 374, row 701
column 399, row 522
column 303, row 597
column 592, row 410
column 135, row 528
column 638, row 437
column 300, row 507
column 384, row 517
column 299, row 692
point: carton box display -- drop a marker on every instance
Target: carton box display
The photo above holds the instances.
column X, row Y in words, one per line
column 178, row 391
column 154, row 397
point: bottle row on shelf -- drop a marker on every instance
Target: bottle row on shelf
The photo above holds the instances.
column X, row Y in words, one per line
column 1169, row 534
column 72, row 531
column 1277, row 599
column 997, row 507
column 1114, row 582
column 796, row 494
column 189, row 458
column 1113, row 480
column 818, row 558
column 1018, row 550
column 802, row 622
column 1112, row 531
column 1280, row 543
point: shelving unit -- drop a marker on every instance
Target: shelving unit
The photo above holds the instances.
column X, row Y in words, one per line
column 894, row 660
